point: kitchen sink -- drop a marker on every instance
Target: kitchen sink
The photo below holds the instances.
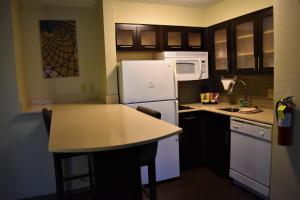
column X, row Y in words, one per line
column 230, row 109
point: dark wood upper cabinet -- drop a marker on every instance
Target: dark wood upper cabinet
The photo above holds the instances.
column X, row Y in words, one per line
column 178, row 38
column 126, row 37
column 244, row 44
column 219, row 43
column 253, row 43
column 195, row 39
column 132, row 37
column 148, row 37
column 266, row 41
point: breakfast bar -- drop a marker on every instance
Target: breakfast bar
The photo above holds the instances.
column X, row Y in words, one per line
column 112, row 133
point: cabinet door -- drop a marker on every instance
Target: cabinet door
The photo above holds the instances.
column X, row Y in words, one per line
column 174, row 38
column 190, row 141
column 244, row 40
column 266, row 41
column 220, row 50
column 194, row 38
column 218, row 143
column 148, row 37
column 126, row 37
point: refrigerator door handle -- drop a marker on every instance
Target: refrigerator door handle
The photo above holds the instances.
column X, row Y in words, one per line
column 176, row 112
column 175, row 80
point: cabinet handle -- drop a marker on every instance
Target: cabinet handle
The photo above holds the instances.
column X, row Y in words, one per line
column 125, row 46
column 175, row 47
column 149, row 47
column 197, row 47
column 261, row 134
column 258, row 62
column 189, row 118
column 236, row 127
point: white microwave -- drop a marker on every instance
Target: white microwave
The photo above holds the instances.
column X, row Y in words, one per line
column 189, row 65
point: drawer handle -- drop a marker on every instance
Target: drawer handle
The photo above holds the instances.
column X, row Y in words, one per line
column 236, row 127
column 189, row 118
column 261, row 134
column 175, row 47
column 125, row 46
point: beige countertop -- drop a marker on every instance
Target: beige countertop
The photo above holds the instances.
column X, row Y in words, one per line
column 99, row 127
column 266, row 116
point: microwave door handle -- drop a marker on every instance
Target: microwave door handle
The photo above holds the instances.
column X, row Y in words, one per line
column 186, row 63
column 175, row 80
column 200, row 67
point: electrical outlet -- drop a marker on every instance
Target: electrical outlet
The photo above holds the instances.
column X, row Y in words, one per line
column 270, row 93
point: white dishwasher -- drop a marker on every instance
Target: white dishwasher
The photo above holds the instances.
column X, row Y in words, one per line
column 250, row 154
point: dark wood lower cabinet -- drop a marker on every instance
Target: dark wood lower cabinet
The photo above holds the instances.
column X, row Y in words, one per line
column 218, row 143
column 191, row 149
column 205, row 141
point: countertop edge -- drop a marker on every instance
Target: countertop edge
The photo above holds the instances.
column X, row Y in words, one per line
column 91, row 150
column 208, row 108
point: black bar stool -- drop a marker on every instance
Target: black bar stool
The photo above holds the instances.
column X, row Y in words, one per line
column 58, row 162
column 148, row 154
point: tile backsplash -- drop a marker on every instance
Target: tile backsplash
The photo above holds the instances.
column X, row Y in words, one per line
column 189, row 91
column 259, row 89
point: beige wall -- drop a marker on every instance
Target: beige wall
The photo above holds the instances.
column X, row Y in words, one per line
column 229, row 9
column 26, row 167
column 285, row 178
column 90, row 84
column 18, row 52
column 146, row 13
column 110, row 51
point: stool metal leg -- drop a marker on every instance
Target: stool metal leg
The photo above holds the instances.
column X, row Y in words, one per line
column 59, row 177
column 152, row 180
column 91, row 171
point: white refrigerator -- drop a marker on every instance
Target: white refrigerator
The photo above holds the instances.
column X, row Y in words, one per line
column 153, row 84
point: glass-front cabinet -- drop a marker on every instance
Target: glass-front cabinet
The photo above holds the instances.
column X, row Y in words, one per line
column 137, row 37
column 245, row 58
column 253, row 42
column 194, row 39
column 126, row 37
column 220, row 48
column 266, row 34
column 179, row 38
column 148, row 37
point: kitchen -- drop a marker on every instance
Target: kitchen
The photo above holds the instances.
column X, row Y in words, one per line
column 105, row 78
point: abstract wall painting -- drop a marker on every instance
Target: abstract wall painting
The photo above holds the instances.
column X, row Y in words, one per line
column 59, row 48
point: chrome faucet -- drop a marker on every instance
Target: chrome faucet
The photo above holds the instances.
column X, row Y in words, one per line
column 233, row 83
column 231, row 88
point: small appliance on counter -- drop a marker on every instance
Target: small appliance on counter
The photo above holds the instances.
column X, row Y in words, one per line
column 209, row 98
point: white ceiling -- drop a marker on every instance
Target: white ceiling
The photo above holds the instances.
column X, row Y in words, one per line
column 66, row 3
column 188, row 3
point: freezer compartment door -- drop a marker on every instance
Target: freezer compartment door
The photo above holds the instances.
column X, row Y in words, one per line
column 167, row 158
column 143, row 81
